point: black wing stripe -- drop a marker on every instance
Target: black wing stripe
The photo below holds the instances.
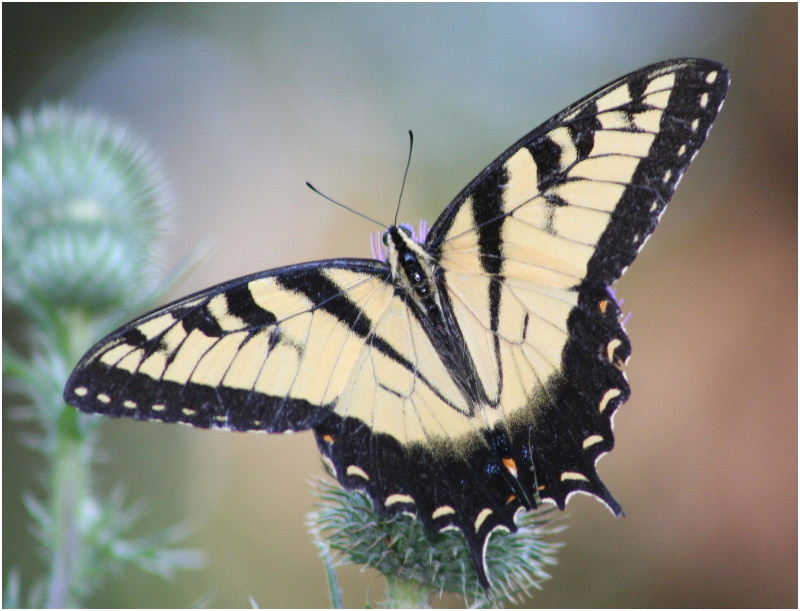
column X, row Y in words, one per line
column 327, row 295
column 488, row 211
column 321, row 290
column 488, row 204
column 582, row 129
column 547, row 155
column 200, row 318
column 241, row 304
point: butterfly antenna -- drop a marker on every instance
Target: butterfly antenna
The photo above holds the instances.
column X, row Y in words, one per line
column 333, row 201
column 405, row 174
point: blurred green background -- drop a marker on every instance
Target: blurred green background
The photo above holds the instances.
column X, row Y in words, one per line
column 243, row 103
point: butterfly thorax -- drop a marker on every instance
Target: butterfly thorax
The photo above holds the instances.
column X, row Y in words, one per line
column 413, row 269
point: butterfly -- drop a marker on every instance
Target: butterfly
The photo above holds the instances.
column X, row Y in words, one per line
column 469, row 375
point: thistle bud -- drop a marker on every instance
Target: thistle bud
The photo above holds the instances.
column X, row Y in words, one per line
column 84, row 206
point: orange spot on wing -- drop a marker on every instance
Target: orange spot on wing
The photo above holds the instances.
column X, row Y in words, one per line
column 511, row 499
column 510, row 464
column 328, row 438
column 603, row 306
column 541, row 488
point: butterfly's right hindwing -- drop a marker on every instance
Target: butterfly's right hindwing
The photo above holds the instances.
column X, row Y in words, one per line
column 272, row 351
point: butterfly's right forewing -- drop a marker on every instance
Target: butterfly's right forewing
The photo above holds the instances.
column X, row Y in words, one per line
column 273, row 351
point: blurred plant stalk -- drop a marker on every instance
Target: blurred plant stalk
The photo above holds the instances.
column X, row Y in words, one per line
column 84, row 207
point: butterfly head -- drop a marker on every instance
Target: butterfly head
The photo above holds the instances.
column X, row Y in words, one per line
column 379, row 241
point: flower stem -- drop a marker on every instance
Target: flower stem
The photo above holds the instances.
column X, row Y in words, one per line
column 70, row 487
column 71, row 471
column 334, row 588
column 407, row 594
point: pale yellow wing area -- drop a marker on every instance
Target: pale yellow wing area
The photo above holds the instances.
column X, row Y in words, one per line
column 407, row 391
column 517, row 246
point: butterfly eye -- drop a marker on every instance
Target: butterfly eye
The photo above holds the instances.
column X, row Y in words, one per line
column 385, row 239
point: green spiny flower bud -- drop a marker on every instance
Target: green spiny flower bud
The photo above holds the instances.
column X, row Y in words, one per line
column 398, row 547
column 84, row 205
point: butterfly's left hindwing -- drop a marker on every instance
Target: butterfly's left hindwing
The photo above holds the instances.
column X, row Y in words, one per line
column 486, row 384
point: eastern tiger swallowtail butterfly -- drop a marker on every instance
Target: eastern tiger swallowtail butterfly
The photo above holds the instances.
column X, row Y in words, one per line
column 470, row 375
